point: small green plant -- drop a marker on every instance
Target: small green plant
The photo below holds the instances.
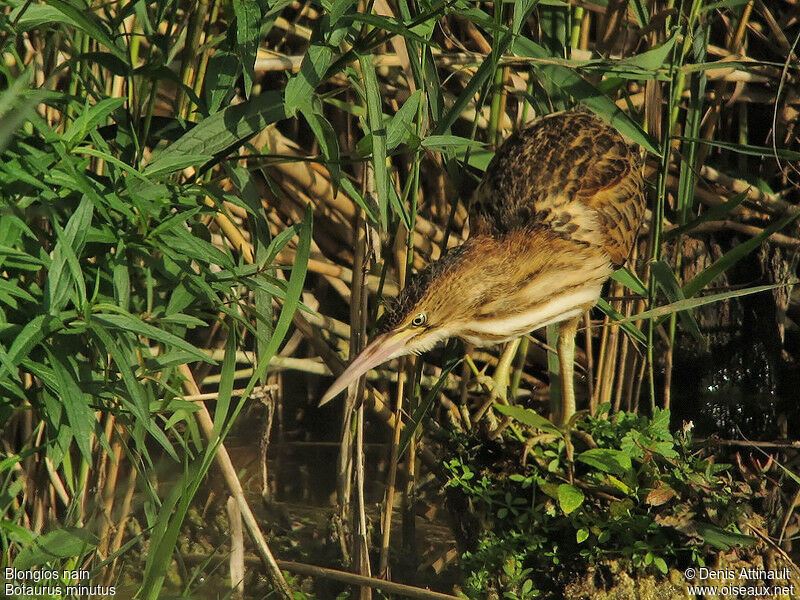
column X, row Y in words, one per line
column 619, row 488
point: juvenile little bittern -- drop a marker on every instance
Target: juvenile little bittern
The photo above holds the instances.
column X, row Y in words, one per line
column 556, row 212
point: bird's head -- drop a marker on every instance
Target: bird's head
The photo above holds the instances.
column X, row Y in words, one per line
column 485, row 291
column 427, row 311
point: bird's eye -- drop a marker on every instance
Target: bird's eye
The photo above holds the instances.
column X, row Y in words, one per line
column 419, row 320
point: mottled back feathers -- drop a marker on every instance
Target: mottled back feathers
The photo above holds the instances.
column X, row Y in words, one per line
column 568, row 172
column 560, row 204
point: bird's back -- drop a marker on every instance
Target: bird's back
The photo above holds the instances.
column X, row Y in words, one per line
column 569, row 173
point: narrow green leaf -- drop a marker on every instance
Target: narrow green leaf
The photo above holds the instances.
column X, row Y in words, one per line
column 522, row 10
column 300, row 87
column 712, row 214
column 695, row 302
column 328, row 143
column 128, row 322
column 220, row 132
column 137, row 403
column 387, row 24
column 571, row 82
column 248, row 15
column 424, row 406
column 378, row 131
column 221, row 74
column 401, row 124
column 733, row 256
column 65, row 258
column 79, row 414
column 652, row 59
column 475, row 83
column 618, row 319
column 170, row 164
column 446, row 142
column 747, row 149
column 667, row 281
column 90, row 118
column 630, row 280
column 112, row 160
column 226, row 382
column 294, row 289
column 89, row 23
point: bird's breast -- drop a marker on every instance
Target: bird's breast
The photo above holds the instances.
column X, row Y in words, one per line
column 561, row 305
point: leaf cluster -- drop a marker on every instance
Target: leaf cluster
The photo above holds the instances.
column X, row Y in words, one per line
column 621, row 488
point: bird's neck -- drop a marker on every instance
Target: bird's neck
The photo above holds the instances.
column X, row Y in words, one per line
column 531, row 279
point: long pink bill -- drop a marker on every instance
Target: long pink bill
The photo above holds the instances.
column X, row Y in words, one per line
column 381, row 349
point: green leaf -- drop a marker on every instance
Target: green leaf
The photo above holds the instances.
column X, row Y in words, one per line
column 607, row 460
column 712, row 214
column 59, row 544
column 182, row 241
column 89, row 23
column 667, row 281
column 36, row 15
column 69, row 246
column 748, row 149
column 248, row 15
column 378, row 131
column 79, row 414
column 328, row 143
column 522, row 10
column 447, row 142
column 170, row 164
column 387, row 24
column 661, row 564
column 221, row 74
column 582, row 535
column 571, row 82
column 619, row 319
column 130, row 323
column 569, row 497
column 219, row 132
column 528, row 417
column 401, row 124
column 90, row 118
column 630, row 280
column 652, row 59
column 695, row 302
column 475, row 83
column 733, row 256
column 422, row 408
column 294, row 289
column 719, row 538
column 300, row 87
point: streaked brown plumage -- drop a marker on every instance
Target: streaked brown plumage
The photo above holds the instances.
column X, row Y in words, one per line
column 556, row 212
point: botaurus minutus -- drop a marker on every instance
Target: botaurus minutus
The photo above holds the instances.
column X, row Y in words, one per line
column 557, row 211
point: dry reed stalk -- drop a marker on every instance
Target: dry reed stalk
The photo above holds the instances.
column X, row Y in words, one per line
column 225, row 464
column 270, row 402
column 391, row 479
column 119, row 530
column 109, row 492
column 236, row 558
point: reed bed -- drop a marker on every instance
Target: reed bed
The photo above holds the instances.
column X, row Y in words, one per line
column 206, row 205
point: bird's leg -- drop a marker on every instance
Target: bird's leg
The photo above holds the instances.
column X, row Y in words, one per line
column 566, row 364
column 498, row 386
column 502, row 374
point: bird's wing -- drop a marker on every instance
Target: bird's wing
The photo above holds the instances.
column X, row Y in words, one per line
column 570, row 173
